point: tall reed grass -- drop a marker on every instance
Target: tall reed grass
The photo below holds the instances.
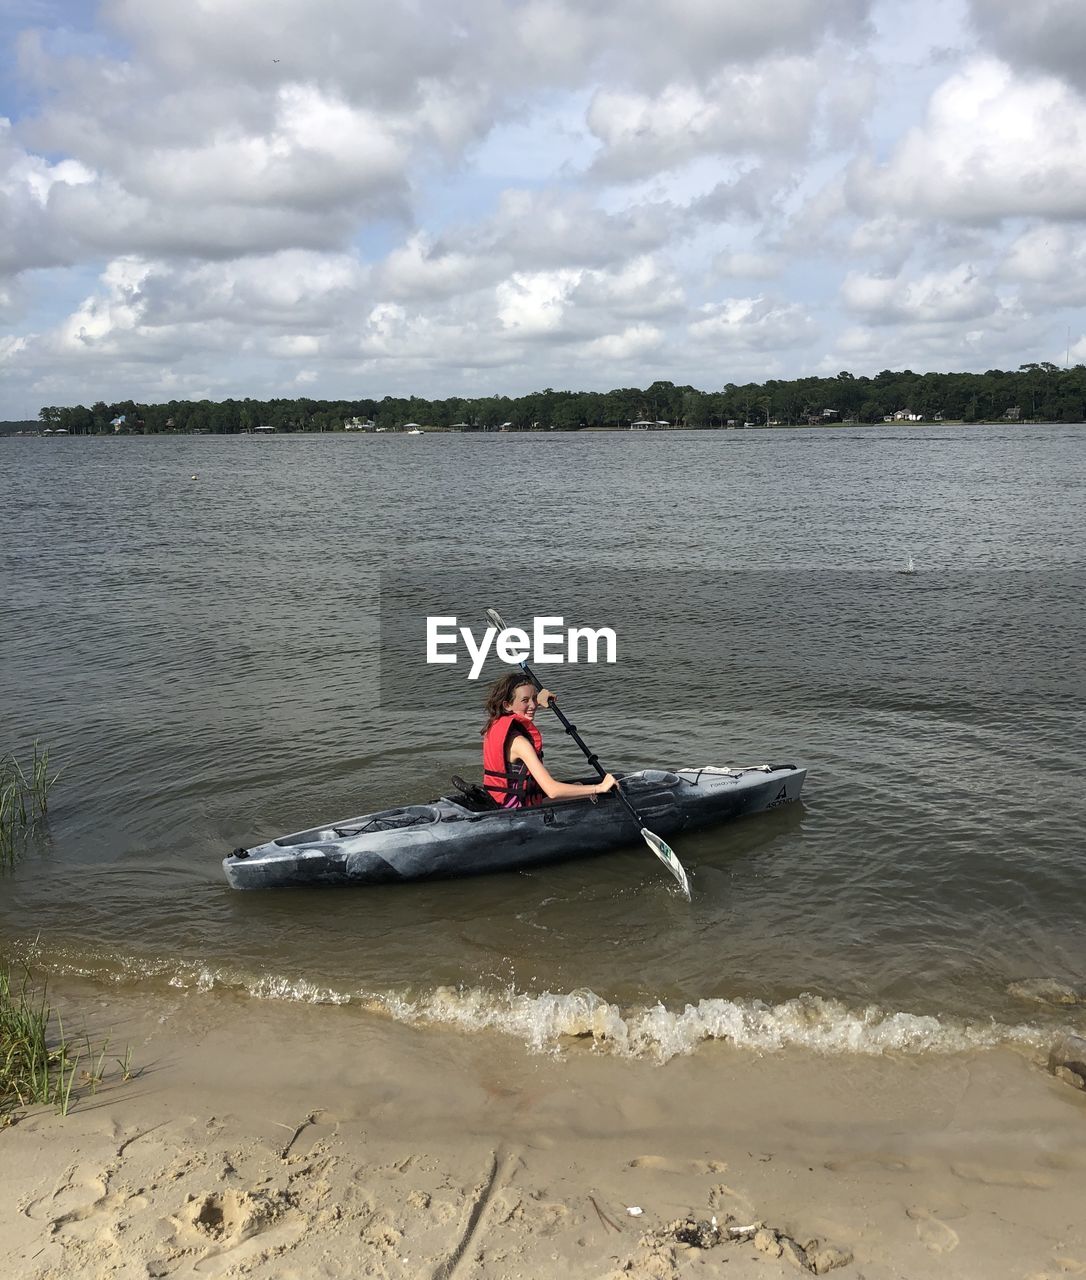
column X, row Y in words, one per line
column 38, row 1064
column 24, row 801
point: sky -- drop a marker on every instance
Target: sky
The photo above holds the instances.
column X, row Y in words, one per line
column 353, row 199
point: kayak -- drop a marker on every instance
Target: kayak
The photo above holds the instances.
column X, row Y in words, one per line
column 466, row 836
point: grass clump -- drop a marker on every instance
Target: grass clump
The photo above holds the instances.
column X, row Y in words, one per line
column 39, row 1063
column 24, row 801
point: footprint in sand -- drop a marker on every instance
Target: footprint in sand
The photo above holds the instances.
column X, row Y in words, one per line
column 74, row 1207
column 933, row 1233
column 71, row 1194
column 79, row 1221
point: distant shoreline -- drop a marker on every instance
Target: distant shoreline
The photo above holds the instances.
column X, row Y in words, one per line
column 7, row 433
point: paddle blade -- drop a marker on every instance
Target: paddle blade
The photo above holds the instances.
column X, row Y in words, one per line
column 667, row 856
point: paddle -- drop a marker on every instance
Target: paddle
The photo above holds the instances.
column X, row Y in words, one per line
column 663, row 851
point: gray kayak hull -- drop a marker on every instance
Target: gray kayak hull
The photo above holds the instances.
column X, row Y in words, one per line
column 447, row 839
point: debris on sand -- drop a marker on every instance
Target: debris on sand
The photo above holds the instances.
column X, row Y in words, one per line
column 815, row 1256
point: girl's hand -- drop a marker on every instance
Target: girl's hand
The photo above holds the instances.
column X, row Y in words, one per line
column 544, row 698
column 606, row 783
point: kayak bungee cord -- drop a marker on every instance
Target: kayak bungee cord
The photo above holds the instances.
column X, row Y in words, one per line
column 662, row 850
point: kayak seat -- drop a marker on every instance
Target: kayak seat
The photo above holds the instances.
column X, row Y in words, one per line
column 473, row 796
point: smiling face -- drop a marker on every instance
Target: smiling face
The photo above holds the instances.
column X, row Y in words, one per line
column 523, row 703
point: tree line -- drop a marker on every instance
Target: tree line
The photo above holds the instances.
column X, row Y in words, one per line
column 1033, row 393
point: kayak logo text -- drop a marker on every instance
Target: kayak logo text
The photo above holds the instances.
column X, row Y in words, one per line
column 547, row 643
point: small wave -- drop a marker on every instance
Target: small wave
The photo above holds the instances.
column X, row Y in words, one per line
column 548, row 1021
column 809, row 1022
column 130, row 972
column 266, row 987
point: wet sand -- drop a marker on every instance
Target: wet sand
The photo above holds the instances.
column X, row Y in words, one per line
column 273, row 1140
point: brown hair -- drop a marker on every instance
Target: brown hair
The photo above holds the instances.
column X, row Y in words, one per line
column 499, row 693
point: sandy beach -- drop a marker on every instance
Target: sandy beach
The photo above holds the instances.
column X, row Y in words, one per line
column 266, row 1139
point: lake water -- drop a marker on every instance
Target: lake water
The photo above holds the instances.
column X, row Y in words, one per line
column 194, row 628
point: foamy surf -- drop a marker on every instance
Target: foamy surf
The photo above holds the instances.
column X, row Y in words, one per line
column 547, row 1022
column 808, row 1022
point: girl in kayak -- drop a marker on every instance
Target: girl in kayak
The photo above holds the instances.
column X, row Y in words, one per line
column 513, row 770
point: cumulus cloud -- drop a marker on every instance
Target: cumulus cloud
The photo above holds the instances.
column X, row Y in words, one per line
column 27, row 182
column 11, row 347
column 254, row 127
column 1003, row 341
column 754, row 191
column 888, row 239
column 992, row 146
column 297, row 311
column 757, row 323
column 634, row 343
column 555, row 228
column 420, row 269
column 292, row 290
column 399, row 341
column 956, row 295
column 641, row 288
column 318, row 150
column 143, row 311
column 249, row 123
column 1049, row 263
column 659, row 44
column 1049, row 35
column 534, row 304
column 303, row 176
column 99, row 321
column 529, row 232
column 567, row 305
column 769, row 108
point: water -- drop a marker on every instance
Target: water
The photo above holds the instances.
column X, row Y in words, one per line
column 202, row 657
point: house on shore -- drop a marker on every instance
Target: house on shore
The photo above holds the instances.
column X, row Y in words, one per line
column 903, row 415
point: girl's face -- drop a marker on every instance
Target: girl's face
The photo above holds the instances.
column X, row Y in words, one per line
column 523, row 702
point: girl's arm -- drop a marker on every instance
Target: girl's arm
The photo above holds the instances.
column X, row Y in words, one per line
column 521, row 749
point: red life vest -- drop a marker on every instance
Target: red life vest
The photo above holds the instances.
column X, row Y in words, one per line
column 510, row 783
